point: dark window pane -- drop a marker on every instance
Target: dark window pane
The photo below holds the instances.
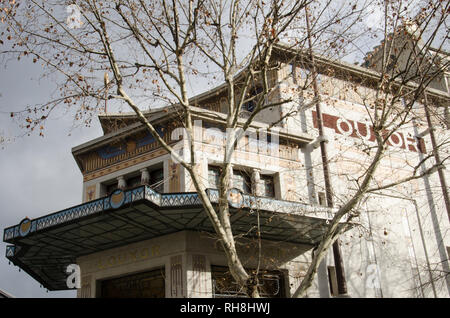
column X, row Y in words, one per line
column 269, row 190
column 250, row 105
column 156, row 180
column 134, row 182
column 110, row 188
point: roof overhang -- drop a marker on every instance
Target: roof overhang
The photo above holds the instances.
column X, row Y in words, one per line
column 197, row 113
column 45, row 246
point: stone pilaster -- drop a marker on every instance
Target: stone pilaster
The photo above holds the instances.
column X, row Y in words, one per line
column 176, row 277
column 145, row 176
column 256, row 183
column 121, row 182
column 199, row 278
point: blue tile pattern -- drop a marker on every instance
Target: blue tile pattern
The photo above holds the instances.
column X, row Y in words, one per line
column 213, row 195
column 109, row 152
column 152, row 196
column 163, row 200
column 180, row 199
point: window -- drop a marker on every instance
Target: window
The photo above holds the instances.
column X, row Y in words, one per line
column 271, row 283
column 133, row 181
column 242, row 181
column 214, row 177
column 157, row 180
column 111, row 187
column 268, row 186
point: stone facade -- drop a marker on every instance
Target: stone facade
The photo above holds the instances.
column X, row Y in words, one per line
column 399, row 248
column 186, row 258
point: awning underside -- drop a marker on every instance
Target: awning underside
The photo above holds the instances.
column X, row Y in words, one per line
column 53, row 242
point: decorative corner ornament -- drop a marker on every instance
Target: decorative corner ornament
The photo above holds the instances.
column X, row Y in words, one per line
column 235, row 198
column 25, row 227
column 117, row 198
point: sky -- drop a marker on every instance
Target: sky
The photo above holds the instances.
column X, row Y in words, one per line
column 38, row 175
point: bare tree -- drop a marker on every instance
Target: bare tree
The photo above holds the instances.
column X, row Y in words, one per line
column 138, row 53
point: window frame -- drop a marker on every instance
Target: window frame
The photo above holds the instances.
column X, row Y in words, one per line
column 264, row 177
column 247, row 181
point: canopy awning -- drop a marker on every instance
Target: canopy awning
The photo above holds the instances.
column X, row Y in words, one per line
column 45, row 246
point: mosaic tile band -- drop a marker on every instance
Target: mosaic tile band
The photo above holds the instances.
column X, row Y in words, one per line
column 162, row 200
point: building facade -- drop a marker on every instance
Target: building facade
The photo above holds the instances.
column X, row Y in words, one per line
column 141, row 230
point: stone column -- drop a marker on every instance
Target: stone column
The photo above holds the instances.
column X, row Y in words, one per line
column 256, row 182
column 121, row 183
column 145, row 176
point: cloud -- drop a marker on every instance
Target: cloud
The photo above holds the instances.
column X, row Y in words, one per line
column 39, row 175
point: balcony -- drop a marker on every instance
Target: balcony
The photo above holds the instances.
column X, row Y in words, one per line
column 43, row 247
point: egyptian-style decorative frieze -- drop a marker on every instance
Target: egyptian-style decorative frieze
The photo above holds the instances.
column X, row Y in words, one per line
column 127, row 148
column 212, row 106
column 124, row 164
column 143, row 146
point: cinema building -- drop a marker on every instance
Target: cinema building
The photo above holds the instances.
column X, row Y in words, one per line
column 141, row 229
